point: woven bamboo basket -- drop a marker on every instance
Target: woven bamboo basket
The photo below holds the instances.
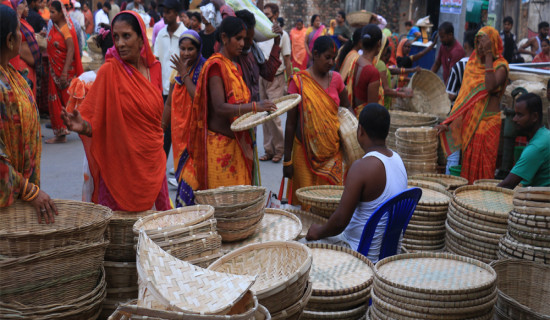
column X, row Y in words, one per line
column 282, row 270
column 322, row 197
column 348, row 135
column 430, row 94
column 487, row 182
column 411, row 119
column 277, row 225
column 120, row 234
column 177, row 233
column 420, row 167
column 120, row 274
column 520, row 250
column 85, row 307
column 420, row 157
column 162, row 222
column 307, row 219
column 353, row 314
column 537, row 205
column 92, row 45
column 239, row 235
column 533, row 193
column 338, row 271
column 22, row 235
column 339, row 303
column 241, row 210
column 190, row 289
column 359, row 19
column 417, row 134
column 193, row 247
column 425, row 148
column 238, row 223
column 488, row 200
column 322, row 212
column 227, row 196
column 51, row 276
column 294, row 312
column 523, row 289
column 452, row 182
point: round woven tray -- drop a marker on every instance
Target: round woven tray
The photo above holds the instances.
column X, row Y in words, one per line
column 487, row 182
column 479, row 217
column 424, row 148
column 359, row 19
column 21, row 234
column 342, row 299
column 432, row 196
column 458, row 218
column 427, row 157
column 307, row 219
column 524, row 250
column 348, row 136
column 338, row 271
column 161, row 222
column 277, row 225
column 452, row 182
column 435, row 273
column 512, row 225
column 294, row 312
column 411, row 119
column 352, row 314
column 487, row 200
column 534, row 239
column 531, row 204
column 277, row 265
column 322, row 212
column 533, row 211
column 326, row 197
column 533, row 193
column 254, row 119
column 229, row 196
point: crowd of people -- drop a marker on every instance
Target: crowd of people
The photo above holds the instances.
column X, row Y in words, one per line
column 182, row 91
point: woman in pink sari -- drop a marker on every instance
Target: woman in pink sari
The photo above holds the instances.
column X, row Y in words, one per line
column 315, row 31
column 65, row 65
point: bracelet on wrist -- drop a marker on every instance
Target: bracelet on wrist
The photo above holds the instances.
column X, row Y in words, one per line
column 287, row 163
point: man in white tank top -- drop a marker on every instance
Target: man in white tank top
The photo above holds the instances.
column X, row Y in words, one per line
column 372, row 180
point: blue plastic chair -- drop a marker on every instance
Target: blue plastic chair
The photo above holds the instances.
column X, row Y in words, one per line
column 400, row 209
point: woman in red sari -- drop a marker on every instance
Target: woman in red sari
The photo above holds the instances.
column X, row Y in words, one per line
column 120, row 123
column 65, row 64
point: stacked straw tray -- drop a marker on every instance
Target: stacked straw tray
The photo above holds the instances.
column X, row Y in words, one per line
column 324, row 200
column 522, row 289
column 253, row 119
column 187, row 233
column 277, row 225
column 405, row 119
column 528, row 235
column 433, row 286
column 451, row 183
column 487, row 182
column 348, row 136
column 121, row 236
column 342, row 281
column 307, row 219
column 426, row 229
column 238, row 210
column 168, row 283
column 477, row 219
column 281, row 269
column 417, row 148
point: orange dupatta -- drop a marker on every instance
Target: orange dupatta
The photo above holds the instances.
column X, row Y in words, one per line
column 236, row 92
column 473, row 98
column 319, row 122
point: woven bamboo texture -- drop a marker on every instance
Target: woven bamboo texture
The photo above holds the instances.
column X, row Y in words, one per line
column 359, row 19
column 348, row 136
column 324, row 197
column 339, row 303
column 487, row 182
column 228, row 196
column 488, row 200
column 307, row 219
column 430, row 94
column 180, row 286
column 121, row 236
column 511, row 247
column 51, row 276
column 120, row 274
column 277, row 225
column 353, row 314
column 294, row 312
column 523, row 289
column 253, row 119
column 338, row 271
column 452, row 182
column 161, row 222
column 83, row 307
column 278, row 265
column 22, row 235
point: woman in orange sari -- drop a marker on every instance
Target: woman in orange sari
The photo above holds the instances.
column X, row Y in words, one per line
column 312, row 144
column 474, row 122
column 65, row 65
column 119, row 123
column 177, row 111
column 223, row 157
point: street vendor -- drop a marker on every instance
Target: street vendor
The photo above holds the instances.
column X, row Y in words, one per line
column 533, row 167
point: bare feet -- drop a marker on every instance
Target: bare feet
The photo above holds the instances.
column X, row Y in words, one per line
column 58, row 139
column 277, row 159
column 266, row 157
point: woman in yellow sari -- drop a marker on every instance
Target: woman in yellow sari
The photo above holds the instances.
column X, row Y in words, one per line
column 312, row 145
column 20, row 142
column 223, row 157
column 474, row 122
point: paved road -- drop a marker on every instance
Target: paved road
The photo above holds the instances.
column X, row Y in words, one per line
column 61, row 167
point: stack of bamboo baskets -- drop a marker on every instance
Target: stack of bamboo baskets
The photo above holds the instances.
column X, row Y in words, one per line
column 342, row 283
column 120, row 260
column 405, row 119
column 434, row 286
column 477, row 219
column 426, row 229
column 322, row 200
column 282, row 269
column 418, row 149
column 451, row 183
column 528, row 235
column 52, row 271
column 238, row 210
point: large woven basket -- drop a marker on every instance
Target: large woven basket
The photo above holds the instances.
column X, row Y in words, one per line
column 84, row 307
column 51, row 276
column 348, row 136
column 282, row 270
column 307, row 219
column 120, row 274
column 359, row 19
column 322, row 197
column 121, row 236
column 21, row 234
column 190, row 288
column 430, row 94
column 451, row 182
column 227, row 196
column 523, row 289
column 162, row 222
column 254, row 119
column 294, row 312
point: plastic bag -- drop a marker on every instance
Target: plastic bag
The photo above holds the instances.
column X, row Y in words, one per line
column 262, row 31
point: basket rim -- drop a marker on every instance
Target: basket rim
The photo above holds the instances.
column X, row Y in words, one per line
column 297, row 307
column 138, row 225
column 465, row 205
column 303, row 196
column 241, row 124
column 432, row 188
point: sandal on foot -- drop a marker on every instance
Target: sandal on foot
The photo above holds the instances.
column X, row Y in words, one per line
column 60, row 139
column 277, row 159
column 266, row 157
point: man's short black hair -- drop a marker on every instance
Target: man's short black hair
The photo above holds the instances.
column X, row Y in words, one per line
column 408, row 24
column 508, row 19
column 342, row 14
column 247, row 17
column 107, row 5
column 533, row 103
column 375, row 120
column 470, row 38
column 543, row 24
column 447, row 28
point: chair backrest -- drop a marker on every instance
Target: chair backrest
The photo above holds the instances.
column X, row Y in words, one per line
column 400, row 209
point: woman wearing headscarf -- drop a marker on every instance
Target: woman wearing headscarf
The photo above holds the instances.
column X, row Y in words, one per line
column 315, row 30
column 405, row 61
column 188, row 65
column 121, row 129
column 473, row 125
column 65, row 65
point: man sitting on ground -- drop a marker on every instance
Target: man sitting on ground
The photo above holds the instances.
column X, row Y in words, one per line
column 377, row 177
column 533, row 167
